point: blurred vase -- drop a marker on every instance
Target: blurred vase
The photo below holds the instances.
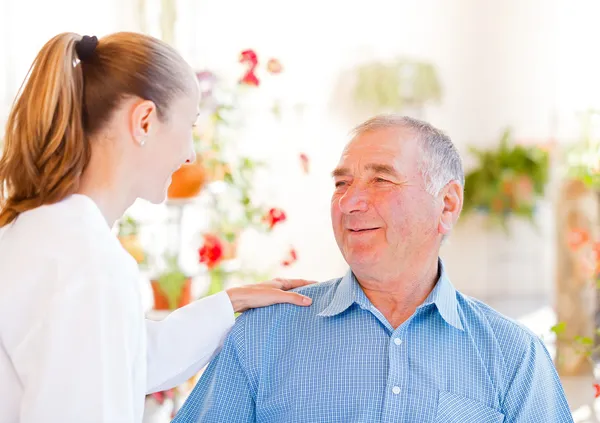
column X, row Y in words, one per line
column 187, row 181
column 161, row 301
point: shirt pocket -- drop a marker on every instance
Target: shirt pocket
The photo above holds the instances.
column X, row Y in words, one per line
column 454, row 408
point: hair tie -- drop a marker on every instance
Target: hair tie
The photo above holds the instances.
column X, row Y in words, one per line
column 86, row 47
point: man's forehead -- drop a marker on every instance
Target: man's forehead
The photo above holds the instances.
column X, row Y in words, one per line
column 380, row 147
column 391, row 139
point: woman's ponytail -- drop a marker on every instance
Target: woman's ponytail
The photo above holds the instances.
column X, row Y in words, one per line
column 45, row 148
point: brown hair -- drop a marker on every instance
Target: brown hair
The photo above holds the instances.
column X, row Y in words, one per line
column 65, row 101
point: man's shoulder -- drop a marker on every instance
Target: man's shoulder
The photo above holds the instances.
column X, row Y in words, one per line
column 319, row 290
column 511, row 334
column 258, row 319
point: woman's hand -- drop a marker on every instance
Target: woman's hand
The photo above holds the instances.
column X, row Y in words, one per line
column 268, row 293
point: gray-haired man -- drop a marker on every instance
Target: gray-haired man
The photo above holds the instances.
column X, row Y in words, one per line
column 391, row 341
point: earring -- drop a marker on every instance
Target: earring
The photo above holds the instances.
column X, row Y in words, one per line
column 143, row 141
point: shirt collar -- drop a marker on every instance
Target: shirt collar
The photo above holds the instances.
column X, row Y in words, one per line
column 347, row 293
column 443, row 296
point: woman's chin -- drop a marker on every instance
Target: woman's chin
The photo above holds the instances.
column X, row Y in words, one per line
column 157, row 196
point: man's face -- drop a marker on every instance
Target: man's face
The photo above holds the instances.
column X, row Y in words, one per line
column 383, row 219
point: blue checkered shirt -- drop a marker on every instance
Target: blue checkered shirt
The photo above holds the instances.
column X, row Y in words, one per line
column 339, row 360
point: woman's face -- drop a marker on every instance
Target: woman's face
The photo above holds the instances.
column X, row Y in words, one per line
column 167, row 147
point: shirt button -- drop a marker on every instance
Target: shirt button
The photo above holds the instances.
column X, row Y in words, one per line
column 396, row 390
column 397, row 341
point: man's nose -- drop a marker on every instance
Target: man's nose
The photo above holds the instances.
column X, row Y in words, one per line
column 355, row 199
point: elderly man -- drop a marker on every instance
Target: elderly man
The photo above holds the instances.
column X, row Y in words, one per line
column 391, row 341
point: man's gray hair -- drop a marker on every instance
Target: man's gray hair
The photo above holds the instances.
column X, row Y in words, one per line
column 439, row 161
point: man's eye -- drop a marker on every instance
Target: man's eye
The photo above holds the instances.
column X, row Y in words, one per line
column 339, row 184
column 381, row 180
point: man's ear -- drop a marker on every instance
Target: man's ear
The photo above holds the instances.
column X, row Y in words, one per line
column 452, row 202
column 143, row 116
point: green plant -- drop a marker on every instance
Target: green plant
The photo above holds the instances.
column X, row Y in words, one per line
column 234, row 206
column 393, row 86
column 172, row 281
column 507, row 180
column 128, row 226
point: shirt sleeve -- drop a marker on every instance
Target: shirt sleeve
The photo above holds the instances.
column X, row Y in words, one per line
column 223, row 393
column 183, row 343
column 77, row 362
column 536, row 394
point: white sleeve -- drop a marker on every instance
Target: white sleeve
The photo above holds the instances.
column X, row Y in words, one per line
column 184, row 342
column 78, row 360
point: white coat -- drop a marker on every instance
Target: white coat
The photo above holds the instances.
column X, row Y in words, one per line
column 74, row 343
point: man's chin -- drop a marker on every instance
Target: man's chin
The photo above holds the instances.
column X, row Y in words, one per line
column 361, row 259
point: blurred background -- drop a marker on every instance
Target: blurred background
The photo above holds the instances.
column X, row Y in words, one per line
column 514, row 83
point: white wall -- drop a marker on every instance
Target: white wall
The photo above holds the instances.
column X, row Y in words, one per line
column 316, row 41
column 529, row 64
column 497, row 65
column 28, row 24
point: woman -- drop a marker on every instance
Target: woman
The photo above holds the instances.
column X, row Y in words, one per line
column 96, row 126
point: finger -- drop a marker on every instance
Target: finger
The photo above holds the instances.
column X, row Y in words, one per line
column 273, row 283
column 277, row 297
column 288, row 284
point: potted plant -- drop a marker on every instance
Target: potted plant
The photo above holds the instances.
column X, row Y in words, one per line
column 172, row 287
column 507, row 181
column 385, row 87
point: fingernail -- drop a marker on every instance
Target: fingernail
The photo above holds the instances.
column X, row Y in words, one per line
column 306, row 300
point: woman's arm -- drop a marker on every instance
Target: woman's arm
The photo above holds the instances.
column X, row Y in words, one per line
column 184, row 342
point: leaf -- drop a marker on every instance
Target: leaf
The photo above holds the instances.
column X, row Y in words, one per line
column 490, row 187
column 584, row 340
column 559, row 328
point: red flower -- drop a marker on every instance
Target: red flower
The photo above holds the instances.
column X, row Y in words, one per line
column 508, row 186
column 291, row 258
column 304, row 162
column 249, row 58
column 498, row 204
column 211, row 252
column 576, row 238
column 250, row 79
column 274, row 66
column 597, row 389
column 524, row 189
column 274, row 216
column 161, row 396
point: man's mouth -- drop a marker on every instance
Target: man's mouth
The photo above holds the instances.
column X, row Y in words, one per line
column 358, row 230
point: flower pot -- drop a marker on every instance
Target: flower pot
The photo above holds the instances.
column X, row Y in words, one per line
column 187, row 181
column 161, row 301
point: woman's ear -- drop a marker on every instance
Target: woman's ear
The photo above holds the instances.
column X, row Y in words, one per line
column 143, row 118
